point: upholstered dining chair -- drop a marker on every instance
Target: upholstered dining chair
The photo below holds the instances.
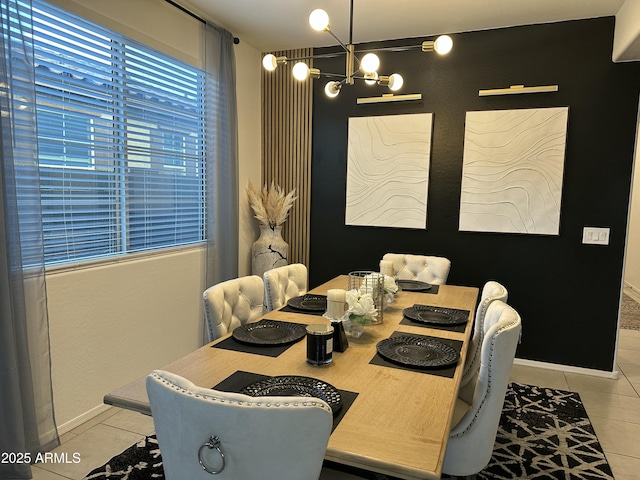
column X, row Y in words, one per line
column 425, row 268
column 229, row 304
column 282, row 438
column 283, row 283
column 491, row 291
column 474, row 426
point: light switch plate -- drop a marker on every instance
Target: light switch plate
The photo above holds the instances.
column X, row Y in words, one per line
column 595, row 235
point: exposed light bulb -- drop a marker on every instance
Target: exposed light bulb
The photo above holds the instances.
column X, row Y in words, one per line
column 332, row 89
column 371, row 78
column 370, row 63
column 319, row 20
column 300, row 71
column 395, row 82
column 269, row 62
column 443, row 44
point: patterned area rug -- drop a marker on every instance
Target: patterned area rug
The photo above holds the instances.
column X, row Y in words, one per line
column 629, row 313
column 544, row 433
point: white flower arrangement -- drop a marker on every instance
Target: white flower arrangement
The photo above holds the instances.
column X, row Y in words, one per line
column 362, row 309
column 389, row 287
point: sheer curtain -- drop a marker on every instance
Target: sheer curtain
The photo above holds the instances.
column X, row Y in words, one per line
column 221, row 157
column 27, row 422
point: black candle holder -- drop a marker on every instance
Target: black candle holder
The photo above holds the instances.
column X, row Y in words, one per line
column 340, row 342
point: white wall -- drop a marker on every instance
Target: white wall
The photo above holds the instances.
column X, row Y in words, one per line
column 248, row 64
column 113, row 323
column 626, row 38
column 632, row 261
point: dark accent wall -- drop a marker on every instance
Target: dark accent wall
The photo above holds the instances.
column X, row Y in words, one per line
column 567, row 293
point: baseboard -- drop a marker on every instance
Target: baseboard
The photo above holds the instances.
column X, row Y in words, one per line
column 632, row 291
column 85, row 417
column 566, row 368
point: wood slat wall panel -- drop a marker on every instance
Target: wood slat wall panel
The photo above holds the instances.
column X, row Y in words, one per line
column 286, row 147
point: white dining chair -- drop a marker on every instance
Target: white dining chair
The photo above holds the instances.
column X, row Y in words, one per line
column 283, row 283
column 282, row 438
column 232, row 303
column 425, row 268
column 491, row 291
column 475, row 425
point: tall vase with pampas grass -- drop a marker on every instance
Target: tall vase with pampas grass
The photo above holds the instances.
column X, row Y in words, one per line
column 271, row 207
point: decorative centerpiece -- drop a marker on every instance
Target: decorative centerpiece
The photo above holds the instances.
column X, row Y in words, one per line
column 390, row 289
column 270, row 207
column 366, row 281
column 361, row 311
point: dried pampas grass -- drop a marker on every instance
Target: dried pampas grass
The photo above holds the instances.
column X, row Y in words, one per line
column 270, row 205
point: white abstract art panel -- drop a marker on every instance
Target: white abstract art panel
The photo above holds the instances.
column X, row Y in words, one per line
column 512, row 171
column 388, row 170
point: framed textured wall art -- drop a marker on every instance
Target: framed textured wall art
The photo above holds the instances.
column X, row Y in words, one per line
column 512, row 171
column 388, row 170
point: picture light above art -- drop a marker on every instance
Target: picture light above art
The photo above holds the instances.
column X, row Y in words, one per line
column 517, row 89
column 390, row 97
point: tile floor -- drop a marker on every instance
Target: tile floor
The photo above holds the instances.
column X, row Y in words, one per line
column 613, row 407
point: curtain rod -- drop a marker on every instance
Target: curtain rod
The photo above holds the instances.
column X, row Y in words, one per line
column 236, row 40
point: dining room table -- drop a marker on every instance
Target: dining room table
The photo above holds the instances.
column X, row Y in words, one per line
column 394, row 415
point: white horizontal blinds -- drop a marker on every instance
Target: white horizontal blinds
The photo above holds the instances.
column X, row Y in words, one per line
column 77, row 137
column 120, row 137
column 164, row 151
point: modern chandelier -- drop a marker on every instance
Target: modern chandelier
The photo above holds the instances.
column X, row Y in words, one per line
column 356, row 67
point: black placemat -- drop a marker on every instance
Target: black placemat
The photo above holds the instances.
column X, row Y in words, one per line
column 441, row 372
column 451, row 328
column 241, row 379
column 432, row 291
column 287, row 308
column 266, row 350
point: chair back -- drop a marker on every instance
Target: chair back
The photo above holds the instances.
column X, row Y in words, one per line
column 283, row 283
column 472, row 438
column 227, row 305
column 424, row 268
column 491, row 292
column 282, row 438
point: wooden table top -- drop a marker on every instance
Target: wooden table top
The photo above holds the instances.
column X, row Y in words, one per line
column 398, row 424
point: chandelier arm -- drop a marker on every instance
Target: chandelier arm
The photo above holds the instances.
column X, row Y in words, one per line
column 310, row 57
column 401, row 48
column 321, row 55
column 327, row 55
column 337, row 54
column 332, row 75
column 346, row 49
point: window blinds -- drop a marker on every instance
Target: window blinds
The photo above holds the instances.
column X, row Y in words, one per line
column 120, row 139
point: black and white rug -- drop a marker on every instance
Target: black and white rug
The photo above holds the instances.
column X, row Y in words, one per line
column 629, row 313
column 544, row 433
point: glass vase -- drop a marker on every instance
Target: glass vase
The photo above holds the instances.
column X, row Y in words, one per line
column 353, row 329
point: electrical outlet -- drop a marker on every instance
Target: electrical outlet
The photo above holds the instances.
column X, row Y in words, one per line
column 595, row 235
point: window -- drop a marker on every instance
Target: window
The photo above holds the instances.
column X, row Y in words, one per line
column 121, row 141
